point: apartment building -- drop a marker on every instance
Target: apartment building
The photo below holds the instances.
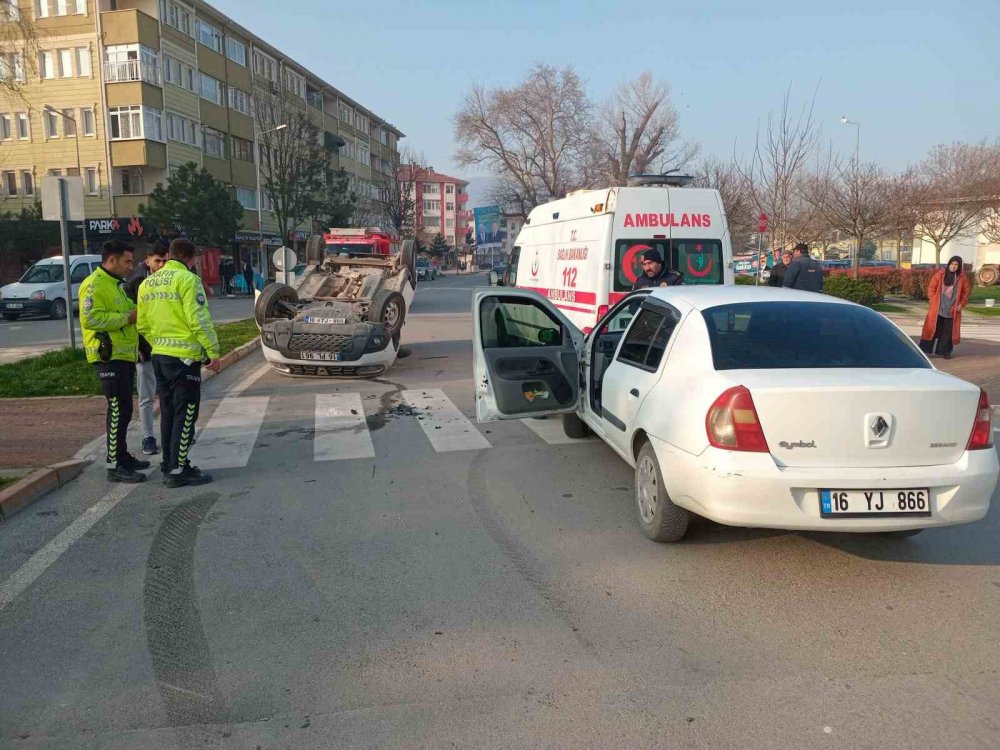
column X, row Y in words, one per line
column 143, row 86
column 440, row 204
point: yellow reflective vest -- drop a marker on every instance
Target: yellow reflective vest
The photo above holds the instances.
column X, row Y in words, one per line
column 173, row 314
column 105, row 309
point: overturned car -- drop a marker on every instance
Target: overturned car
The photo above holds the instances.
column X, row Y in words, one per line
column 344, row 319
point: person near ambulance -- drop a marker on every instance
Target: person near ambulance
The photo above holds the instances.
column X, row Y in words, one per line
column 107, row 319
column 656, row 273
column 174, row 318
column 805, row 273
column 146, row 378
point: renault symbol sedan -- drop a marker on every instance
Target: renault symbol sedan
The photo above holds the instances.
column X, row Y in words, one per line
column 752, row 407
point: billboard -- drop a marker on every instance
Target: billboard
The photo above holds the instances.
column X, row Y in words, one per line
column 488, row 231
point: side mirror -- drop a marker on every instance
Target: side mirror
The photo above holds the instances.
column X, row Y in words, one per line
column 494, row 278
column 548, row 336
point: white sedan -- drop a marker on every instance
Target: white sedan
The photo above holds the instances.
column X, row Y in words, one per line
column 749, row 406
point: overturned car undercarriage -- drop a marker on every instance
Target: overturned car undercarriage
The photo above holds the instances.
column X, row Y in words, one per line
column 345, row 317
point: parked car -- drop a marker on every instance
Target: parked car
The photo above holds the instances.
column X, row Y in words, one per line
column 750, row 406
column 42, row 289
column 425, row 270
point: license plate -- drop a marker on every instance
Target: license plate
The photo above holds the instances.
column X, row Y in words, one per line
column 14, row 306
column 327, row 321
column 326, row 356
column 840, row 503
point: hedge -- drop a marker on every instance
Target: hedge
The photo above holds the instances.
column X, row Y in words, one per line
column 861, row 291
column 902, row 281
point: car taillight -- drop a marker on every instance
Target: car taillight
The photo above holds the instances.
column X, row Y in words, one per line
column 602, row 310
column 732, row 423
column 982, row 428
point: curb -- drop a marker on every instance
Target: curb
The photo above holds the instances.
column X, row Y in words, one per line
column 37, row 484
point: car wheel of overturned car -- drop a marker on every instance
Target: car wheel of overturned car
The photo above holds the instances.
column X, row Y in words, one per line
column 389, row 308
column 58, row 311
column 271, row 303
column 574, row 427
column 659, row 518
column 409, row 253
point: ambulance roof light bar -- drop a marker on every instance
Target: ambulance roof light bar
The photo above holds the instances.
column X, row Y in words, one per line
column 670, row 179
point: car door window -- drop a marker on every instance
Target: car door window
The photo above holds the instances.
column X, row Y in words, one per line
column 660, row 341
column 639, row 338
column 79, row 273
column 508, row 324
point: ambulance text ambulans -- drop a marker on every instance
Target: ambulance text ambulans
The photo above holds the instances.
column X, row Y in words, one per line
column 584, row 252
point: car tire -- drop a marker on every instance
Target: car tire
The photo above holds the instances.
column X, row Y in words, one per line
column 389, row 308
column 408, row 251
column 659, row 518
column 266, row 309
column 11, row 316
column 58, row 309
column 904, row 534
column 574, row 427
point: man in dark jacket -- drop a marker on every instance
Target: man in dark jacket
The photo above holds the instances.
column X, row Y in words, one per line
column 804, row 273
column 155, row 258
column 655, row 272
column 778, row 270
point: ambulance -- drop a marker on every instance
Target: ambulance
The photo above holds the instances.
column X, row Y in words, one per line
column 584, row 252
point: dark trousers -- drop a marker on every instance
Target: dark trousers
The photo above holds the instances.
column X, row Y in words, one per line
column 179, row 386
column 116, row 380
column 941, row 344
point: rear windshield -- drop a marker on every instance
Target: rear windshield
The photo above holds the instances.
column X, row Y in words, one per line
column 43, row 274
column 792, row 335
column 699, row 260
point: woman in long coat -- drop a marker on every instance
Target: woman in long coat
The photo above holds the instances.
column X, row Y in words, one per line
column 948, row 294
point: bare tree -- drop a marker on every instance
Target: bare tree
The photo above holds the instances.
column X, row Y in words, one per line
column 534, row 136
column 725, row 177
column 398, row 198
column 638, row 131
column 991, row 225
column 18, row 52
column 956, row 186
column 293, row 160
column 857, row 199
column 774, row 174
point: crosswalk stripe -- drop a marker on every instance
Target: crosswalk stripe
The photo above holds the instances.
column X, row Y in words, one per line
column 445, row 426
column 551, row 431
column 230, row 435
column 341, row 430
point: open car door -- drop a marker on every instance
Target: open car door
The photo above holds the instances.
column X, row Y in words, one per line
column 526, row 356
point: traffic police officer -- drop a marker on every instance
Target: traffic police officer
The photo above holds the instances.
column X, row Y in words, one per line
column 174, row 319
column 655, row 272
column 107, row 318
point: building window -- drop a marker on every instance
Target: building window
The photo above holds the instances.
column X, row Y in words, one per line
column 6, row 128
column 126, row 123
column 449, row 223
column 81, row 7
column 41, row 8
column 449, row 206
column 130, row 181
column 46, row 65
column 348, row 149
column 182, row 130
column 247, row 198
column 83, row 67
column 153, row 122
column 449, row 189
column 211, row 89
column 295, row 83
column 265, row 66
column 176, row 15
column 432, row 187
column 91, row 181
column 242, row 149
column 214, row 143
column 53, row 172
column 361, row 123
column 10, row 183
column 23, row 126
column 432, row 205
column 383, row 135
column 51, row 121
column 364, row 155
column 28, row 183
column 9, row 10
column 65, row 63
column 132, row 62
column 315, row 98
column 210, row 36
column 346, row 114
column 179, row 74
column 239, row 100
column 236, row 51
column 69, row 123
column 87, row 121
column 12, row 67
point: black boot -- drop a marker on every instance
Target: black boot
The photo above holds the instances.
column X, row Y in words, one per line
column 130, row 462
column 189, row 476
column 125, row 475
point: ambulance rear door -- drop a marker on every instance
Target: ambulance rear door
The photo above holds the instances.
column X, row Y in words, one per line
column 700, row 246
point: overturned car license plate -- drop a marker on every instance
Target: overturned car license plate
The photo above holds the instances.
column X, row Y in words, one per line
column 328, row 356
column 326, row 321
column 841, row 503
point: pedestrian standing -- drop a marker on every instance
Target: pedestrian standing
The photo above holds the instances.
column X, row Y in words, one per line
column 804, row 273
column 778, row 271
column 174, row 318
column 948, row 295
column 107, row 318
column 226, row 271
column 248, row 276
column 655, row 272
column 155, row 258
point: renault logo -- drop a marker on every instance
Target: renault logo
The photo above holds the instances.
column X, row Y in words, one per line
column 880, row 427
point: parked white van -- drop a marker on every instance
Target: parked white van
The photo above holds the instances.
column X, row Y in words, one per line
column 584, row 252
column 42, row 289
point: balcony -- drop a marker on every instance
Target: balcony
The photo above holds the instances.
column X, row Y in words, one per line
column 462, row 198
column 132, row 70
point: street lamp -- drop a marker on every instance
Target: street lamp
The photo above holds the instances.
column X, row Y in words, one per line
column 857, row 140
column 79, row 169
column 260, row 197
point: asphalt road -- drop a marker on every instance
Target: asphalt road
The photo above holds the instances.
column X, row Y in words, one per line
column 402, row 577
